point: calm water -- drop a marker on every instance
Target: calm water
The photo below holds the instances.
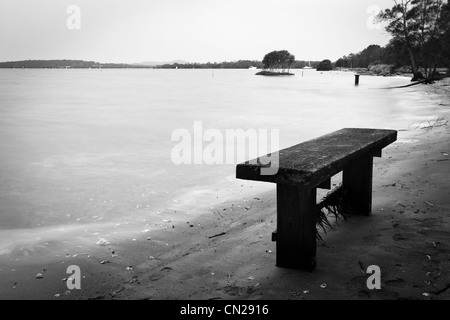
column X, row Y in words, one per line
column 84, row 146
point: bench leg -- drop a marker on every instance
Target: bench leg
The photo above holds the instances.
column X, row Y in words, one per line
column 358, row 179
column 296, row 228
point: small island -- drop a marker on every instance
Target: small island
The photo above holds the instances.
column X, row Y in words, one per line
column 277, row 63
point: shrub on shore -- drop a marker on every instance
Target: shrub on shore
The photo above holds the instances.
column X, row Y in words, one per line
column 325, row 65
column 381, row 68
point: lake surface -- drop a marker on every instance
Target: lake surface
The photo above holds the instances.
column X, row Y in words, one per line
column 80, row 147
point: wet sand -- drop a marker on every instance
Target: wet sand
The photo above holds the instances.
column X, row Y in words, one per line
column 227, row 252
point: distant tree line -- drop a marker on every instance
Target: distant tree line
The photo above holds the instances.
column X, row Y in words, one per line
column 241, row 64
column 80, row 64
column 63, row 64
column 373, row 54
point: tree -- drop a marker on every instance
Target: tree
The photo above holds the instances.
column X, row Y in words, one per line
column 428, row 14
column 401, row 27
column 290, row 61
column 342, row 63
column 415, row 25
column 278, row 60
column 396, row 54
column 444, row 27
column 325, row 65
column 369, row 55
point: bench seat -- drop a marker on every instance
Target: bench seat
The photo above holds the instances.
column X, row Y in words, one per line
column 309, row 165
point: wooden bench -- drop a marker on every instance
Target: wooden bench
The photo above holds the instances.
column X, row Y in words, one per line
column 310, row 165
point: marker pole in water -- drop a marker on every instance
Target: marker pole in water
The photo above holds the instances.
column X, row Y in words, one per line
column 356, row 79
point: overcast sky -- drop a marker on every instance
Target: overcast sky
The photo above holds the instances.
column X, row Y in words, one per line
column 194, row 30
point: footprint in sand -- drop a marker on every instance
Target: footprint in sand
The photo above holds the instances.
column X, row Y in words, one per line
column 233, row 290
column 403, row 236
column 399, row 237
column 159, row 275
column 372, row 239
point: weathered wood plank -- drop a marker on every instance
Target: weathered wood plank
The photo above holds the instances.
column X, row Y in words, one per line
column 296, row 228
column 312, row 162
column 357, row 178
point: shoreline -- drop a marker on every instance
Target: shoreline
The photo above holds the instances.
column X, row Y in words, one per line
column 227, row 253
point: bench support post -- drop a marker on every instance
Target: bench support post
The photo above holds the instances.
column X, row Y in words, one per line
column 357, row 177
column 296, row 227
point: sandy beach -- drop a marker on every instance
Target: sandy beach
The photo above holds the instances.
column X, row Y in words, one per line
column 227, row 253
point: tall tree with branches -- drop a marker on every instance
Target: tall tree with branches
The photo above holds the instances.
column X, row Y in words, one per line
column 444, row 36
column 278, row 60
column 415, row 24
